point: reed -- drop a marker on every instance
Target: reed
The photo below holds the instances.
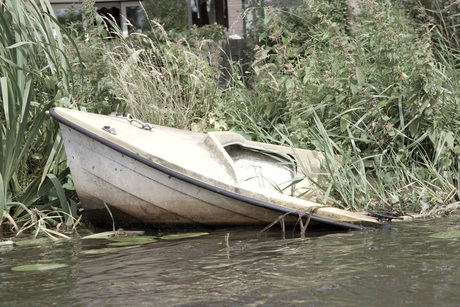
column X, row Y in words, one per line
column 34, row 73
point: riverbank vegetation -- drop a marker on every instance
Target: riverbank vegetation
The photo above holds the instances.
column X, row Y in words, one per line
column 379, row 86
column 35, row 74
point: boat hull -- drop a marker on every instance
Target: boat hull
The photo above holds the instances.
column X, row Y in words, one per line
column 115, row 182
column 138, row 194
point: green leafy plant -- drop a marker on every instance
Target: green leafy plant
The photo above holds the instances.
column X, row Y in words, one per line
column 34, row 74
column 369, row 89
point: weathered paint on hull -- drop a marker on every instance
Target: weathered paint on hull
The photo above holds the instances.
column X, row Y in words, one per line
column 139, row 194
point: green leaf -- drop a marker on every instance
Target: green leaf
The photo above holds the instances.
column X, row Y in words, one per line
column 62, row 198
column 360, row 76
column 446, row 234
column 183, row 235
column 114, row 234
column 3, row 199
column 38, row 267
column 450, row 139
column 6, row 243
column 126, row 241
column 132, row 238
column 344, row 123
column 354, row 89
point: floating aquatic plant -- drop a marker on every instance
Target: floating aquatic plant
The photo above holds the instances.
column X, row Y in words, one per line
column 38, row 267
column 183, row 235
column 446, row 234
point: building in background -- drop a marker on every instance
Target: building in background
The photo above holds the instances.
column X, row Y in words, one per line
column 69, row 10
column 129, row 14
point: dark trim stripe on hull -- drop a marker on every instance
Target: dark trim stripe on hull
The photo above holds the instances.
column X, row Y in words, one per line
column 187, row 179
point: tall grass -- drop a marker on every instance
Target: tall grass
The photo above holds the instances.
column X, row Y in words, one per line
column 34, row 73
column 163, row 81
column 378, row 89
column 374, row 89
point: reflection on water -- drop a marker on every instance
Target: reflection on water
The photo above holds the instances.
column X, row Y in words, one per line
column 401, row 265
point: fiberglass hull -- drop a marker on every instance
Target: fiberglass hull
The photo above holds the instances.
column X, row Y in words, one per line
column 166, row 177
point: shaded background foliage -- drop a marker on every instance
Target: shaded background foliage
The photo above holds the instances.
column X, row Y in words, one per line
column 171, row 14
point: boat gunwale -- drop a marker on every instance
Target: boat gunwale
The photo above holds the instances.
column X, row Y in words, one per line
column 246, row 199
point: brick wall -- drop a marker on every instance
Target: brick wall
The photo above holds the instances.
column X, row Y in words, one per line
column 235, row 17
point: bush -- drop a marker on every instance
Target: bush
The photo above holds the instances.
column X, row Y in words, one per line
column 373, row 90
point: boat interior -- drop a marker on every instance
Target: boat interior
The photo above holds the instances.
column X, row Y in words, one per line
column 270, row 167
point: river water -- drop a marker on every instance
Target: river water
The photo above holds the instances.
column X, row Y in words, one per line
column 407, row 264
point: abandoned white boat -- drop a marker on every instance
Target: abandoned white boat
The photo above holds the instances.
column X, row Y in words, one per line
column 149, row 175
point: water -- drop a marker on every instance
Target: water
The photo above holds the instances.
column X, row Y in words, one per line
column 397, row 266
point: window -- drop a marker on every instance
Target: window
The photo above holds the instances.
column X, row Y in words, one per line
column 129, row 15
column 133, row 17
column 66, row 14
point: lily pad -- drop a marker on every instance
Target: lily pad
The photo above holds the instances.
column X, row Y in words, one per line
column 107, row 250
column 113, row 234
column 7, row 243
column 446, row 234
column 184, row 235
column 130, row 243
column 38, row 267
column 132, row 238
column 126, row 241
